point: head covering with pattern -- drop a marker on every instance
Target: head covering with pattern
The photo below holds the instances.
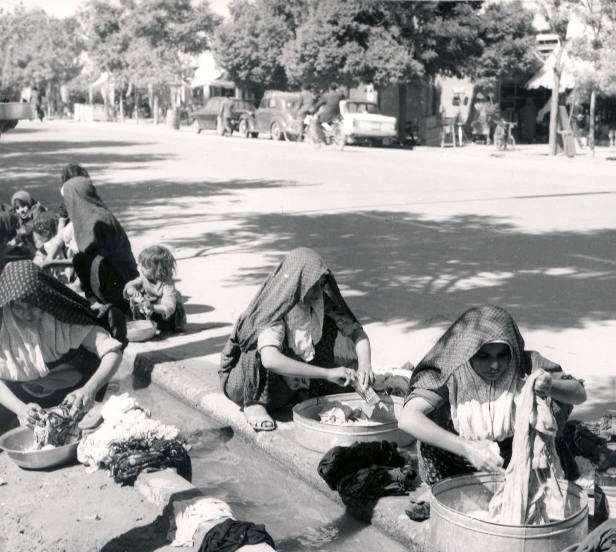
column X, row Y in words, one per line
column 475, row 328
column 24, row 281
column 24, row 197
column 284, row 288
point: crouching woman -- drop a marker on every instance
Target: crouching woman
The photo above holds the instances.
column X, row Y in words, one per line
column 284, row 342
column 52, row 346
column 462, row 398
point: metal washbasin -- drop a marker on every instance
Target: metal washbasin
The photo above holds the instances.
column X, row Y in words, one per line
column 16, row 443
column 320, row 437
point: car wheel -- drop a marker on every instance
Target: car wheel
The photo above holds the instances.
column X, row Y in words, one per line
column 254, row 134
column 243, row 129
column 276, row 131
column 196, row 126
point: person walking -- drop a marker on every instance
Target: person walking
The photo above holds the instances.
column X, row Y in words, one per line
column 226, row 114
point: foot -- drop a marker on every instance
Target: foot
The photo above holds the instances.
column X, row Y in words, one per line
column 258, row 418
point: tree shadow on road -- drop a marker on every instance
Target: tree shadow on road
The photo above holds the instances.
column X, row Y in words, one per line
column 405, row 268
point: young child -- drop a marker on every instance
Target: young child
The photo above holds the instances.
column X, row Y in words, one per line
column 26, row 208
column 45, row 234
column 153, row 294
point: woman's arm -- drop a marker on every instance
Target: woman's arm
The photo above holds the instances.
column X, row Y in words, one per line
column 364, row 358
column 274, row 360
column 82, row 399
column 568, row 391
column 414, row 420
column 28, row 412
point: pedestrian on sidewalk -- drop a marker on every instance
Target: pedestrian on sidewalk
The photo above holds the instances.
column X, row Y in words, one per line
column 284, row 341
column 226, row 114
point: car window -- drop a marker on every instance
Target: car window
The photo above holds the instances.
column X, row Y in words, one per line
column 241, row 104
column 264, row 102
column 272, row 102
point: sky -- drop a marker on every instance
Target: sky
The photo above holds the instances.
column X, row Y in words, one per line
column 64, row 8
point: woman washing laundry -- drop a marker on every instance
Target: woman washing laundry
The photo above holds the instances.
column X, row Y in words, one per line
column 463, row 394
column 53, row 348
column 284, row 341
column 105, row 262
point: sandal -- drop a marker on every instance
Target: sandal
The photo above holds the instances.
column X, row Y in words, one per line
column 261, row 421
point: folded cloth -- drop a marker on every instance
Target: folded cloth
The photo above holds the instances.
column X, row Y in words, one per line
column 339, row 462
column 128, row 459
column 197, row 514
column 418, row 510
column 231, row 535
column 601, row 539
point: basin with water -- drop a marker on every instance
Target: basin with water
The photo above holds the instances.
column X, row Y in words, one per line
column 452, row 529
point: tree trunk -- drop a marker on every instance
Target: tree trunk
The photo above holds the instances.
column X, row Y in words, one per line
column 554, row 103
column 121, row 106
column 155, row 108
column 591, row 123
column 136, row 102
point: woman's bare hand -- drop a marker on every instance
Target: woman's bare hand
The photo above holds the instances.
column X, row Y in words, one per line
column 482, row 456
column 341, row 376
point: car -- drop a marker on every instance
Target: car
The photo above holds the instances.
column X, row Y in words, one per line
column 206, row 118
column 276, row 116
column 363, row 123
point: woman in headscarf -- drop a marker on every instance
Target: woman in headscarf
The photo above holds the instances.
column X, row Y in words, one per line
column 52, row 346
column 286, row 338
column 105, row 262
column 463, row 392
column 8, row 229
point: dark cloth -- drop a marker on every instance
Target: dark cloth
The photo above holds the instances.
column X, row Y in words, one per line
column 286, row 286
column 230, row 535
column 391, row 384
column 130, row 458
column 331, row 106
column 578, row 440
column 98, row 233
column 602, row 539
column 418, row 510
column 8, row 228
column 367, row 485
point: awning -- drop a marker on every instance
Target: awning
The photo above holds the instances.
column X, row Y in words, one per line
column 569, row 76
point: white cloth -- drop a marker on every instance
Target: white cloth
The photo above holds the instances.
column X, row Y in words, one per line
column 482, row 410
column 121, row 424
column 198, row 514
column 261, row 547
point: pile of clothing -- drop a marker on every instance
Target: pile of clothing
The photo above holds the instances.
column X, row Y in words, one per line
column 214, row 519
column 56, row 428
column 342, row 414
column 531, row 494
column 130, row 441
column 364, row 472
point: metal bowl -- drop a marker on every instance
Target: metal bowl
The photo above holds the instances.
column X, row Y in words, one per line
column 315, row 435
column 17, row 442
column 140, row 330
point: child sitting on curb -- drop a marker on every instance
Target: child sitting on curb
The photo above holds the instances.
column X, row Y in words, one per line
column 153, row 295
column 26, row 208
column 45, row 230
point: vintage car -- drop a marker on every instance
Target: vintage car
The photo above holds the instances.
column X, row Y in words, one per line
column 206, row 118
column 276, row 116
column 362, row 123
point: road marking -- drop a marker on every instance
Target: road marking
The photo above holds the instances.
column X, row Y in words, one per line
column 598, row 259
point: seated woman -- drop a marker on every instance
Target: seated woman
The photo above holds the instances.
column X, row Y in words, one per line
column 105, row 262
column 463, row 391
column 286, row 337
column 52, row 346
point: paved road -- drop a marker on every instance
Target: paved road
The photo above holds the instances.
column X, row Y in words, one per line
column 414, row 237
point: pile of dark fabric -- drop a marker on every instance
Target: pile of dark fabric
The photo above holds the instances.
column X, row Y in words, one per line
column 130, row 458
column 56, row 428
column 578, row 440
column 231, row 535
column 364, row 472
column 602, row 539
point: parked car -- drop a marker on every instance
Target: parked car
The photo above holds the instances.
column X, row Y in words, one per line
column 362, row 123
column 206, row 118
column 276, row 116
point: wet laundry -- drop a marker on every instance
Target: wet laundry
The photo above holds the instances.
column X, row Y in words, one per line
column 364, row 472
column 198, row 514
column 418, row 510
column 124, row 421
column 393, row 383
column 232, row 535
column 601, row 539
column 128, row 459
column 531, row 494
column 339, row 413
column 56, row 428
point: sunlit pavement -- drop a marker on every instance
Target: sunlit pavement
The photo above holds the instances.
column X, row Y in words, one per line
column 414, row 237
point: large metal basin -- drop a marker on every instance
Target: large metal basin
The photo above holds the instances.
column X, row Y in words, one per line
column 320, row 437
column 17, row 442
column 452, row 530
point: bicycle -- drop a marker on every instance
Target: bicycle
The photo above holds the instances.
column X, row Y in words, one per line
column 503, row 137
column 327, row 133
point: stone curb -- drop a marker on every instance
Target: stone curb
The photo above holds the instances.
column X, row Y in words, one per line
column 195, row 381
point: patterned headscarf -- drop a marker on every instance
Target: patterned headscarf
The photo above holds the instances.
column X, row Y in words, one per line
column 24, row 197
column 284, row 288
column 24, row 281
column 476, row 327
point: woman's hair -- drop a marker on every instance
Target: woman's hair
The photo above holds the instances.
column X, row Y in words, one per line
column 160, row 261
column 46, row 225
column 72, row 170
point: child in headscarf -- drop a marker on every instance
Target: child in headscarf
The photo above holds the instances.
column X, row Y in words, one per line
column 286, row 338
column 153, row 294
column 27, row 209
column 461, row 406
column 53, row 348
column 105, row 262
